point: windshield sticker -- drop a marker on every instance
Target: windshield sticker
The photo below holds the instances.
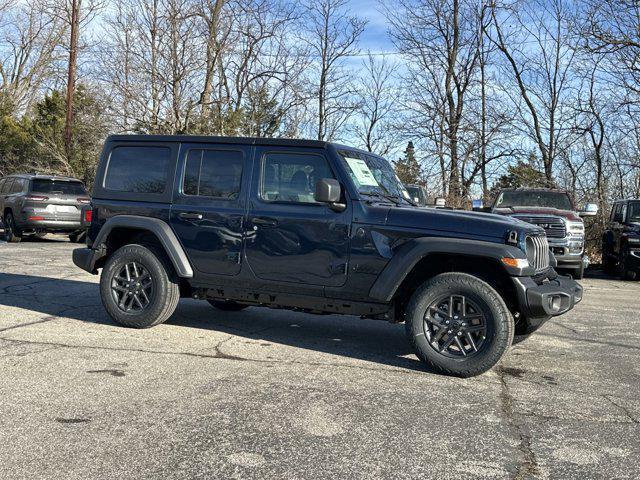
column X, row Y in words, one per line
column 362, row 173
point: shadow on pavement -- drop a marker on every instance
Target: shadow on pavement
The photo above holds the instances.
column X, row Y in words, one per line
column 346, row 336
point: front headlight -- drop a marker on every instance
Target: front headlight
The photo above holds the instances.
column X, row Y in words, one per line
column 575, row 228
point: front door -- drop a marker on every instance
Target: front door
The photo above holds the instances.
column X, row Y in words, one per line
column 291, row 238
column 209, row 205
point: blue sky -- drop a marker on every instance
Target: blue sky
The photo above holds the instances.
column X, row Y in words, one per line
column 375, row 37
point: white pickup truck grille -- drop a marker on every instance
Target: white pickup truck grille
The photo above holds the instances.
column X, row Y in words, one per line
column 553, row 226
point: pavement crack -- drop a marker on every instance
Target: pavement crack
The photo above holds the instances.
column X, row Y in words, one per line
column 529, row 464
column 46, row 319
column 223, row 356
column 622, row 408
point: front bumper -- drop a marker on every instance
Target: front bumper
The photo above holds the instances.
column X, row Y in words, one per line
column 568, row 252
column 537, row 302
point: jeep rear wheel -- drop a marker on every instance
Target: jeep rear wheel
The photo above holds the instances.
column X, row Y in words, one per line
column 138, row 286
column 11, row 232
column 458, row 324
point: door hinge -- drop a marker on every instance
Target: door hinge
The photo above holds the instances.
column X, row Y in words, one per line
column 338, row 268
column 233, row 257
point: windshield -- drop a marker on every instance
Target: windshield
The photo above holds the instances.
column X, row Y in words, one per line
column 62, row 187
column 417, row 195
column 525, row 198
column 373, row 175
column 634, row 212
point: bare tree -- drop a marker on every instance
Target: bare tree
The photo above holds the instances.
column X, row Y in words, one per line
column 333, row 37
column 376, row 123
column 29, row 41
column 439, row 39
column 535, row 40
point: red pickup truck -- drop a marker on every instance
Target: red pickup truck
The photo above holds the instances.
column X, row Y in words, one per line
column 554, row 211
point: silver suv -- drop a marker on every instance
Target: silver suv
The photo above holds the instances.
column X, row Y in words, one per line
column 40, row 204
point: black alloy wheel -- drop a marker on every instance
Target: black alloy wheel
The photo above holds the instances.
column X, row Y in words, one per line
column 455, row 326
column 132, row 287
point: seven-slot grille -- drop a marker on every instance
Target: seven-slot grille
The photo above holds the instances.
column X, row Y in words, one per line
column 539, row 255
column 554, row 227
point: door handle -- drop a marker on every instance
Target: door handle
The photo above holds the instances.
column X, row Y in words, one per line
column 190, row 216
column 264, row 221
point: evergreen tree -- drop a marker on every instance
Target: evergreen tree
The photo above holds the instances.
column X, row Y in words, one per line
column 523, row 174
column 407, row 168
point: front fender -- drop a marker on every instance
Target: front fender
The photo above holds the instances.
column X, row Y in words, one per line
column 409, row 254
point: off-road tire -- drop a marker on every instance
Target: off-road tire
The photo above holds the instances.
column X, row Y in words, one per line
column 12, row 233
column 166, row 291
column 227, row 306
column 578, row 273
column 608, row 265
column 498, row 318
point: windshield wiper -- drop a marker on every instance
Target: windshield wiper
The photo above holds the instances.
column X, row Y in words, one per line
column 395, row 199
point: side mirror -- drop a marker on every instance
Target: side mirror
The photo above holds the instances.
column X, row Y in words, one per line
column 590, row 210
column 328, row 191
column 477, row 205
column 440, row 202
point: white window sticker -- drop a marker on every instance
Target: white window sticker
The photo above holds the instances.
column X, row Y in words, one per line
column 362, row 173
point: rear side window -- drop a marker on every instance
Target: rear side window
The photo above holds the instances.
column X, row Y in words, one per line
column 138, row 169
column 57, row 186
column 213, row 173
column 17, row 186
column 6, row 187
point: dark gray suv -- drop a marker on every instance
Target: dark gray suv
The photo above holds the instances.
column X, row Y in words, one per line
column 40, row 204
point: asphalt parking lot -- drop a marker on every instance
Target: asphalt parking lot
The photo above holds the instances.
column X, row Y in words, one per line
column 275, row 394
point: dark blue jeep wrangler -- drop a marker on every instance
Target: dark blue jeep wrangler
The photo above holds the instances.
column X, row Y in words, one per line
column 315, row 227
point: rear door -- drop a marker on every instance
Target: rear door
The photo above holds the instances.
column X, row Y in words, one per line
column 56, row 199
column 209, row 206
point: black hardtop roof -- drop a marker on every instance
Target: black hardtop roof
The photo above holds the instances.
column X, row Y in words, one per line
column 39, row 176
column 217, row 139
column 534, row 189
column 285, row 142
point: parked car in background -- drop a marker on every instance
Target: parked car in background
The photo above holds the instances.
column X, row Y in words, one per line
column 418, row 194
column 555, row 212
column 316, row 227
column 621, row 240
column 32, row 204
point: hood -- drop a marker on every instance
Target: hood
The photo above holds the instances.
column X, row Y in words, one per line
column 481, row 226
column 568, row 214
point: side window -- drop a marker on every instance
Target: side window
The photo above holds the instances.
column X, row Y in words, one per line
column 624, row 212
column 2, row 180
column 6, row 188
column 213, row 173
column 292, row 177
column 18, row 185
column 138, row 169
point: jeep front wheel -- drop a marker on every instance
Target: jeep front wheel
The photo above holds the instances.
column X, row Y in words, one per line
column 138, row 286
column 458, row 324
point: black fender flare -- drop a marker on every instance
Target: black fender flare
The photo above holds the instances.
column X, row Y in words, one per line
column 410, row 253
column 159, row 228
